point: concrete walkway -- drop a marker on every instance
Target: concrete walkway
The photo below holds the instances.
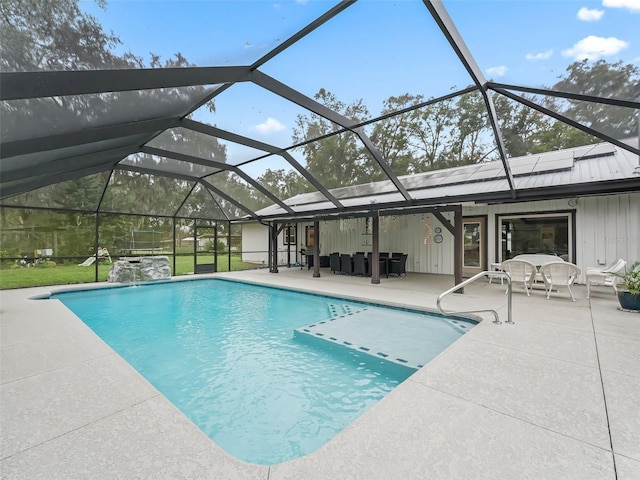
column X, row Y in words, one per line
column 554, row 396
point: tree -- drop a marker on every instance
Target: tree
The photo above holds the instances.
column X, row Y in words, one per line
column 282, row 183
column 337, row 160
column 391, row 136
column 429, row 131
column 54, row 35
column 601, row 79
column 471, row 140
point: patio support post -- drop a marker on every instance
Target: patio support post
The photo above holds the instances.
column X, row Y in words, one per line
column 274, row 247
column 175, row 253
column 215, row 245
column 288, row 237
column 457, row 249
column 375, row 249
column 229, row 244
column 195, row 246
column 316, row 250
column 97, row 245
column 268, row 247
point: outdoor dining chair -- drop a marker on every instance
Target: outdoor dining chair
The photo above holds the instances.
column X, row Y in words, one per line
column 346, row 264
column 520, row 271
column 397, row 265
column 359, row 265
column 604, row 275
column 559, row 274
column 334, row 262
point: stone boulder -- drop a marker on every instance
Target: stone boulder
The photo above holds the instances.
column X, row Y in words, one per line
column 141, row 269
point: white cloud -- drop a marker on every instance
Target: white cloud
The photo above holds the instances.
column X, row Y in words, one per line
column 539, row 56
column 633, row 5
column 270, row 125
column 593, row 47
column 497, row 71
column 588, row 15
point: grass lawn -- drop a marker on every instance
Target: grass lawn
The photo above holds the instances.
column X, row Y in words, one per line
column 71, row 273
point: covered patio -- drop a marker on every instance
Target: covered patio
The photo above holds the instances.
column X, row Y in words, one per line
column 552, row 396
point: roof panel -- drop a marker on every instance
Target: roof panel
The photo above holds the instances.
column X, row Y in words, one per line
column 201, row 204
column 278, row 176
column 43, row 117
column 368, row 44
column 81, row 155
column 203, row 146
column 256, row 26
column 168, row 165
column 79, row 194
column 143, row 193
column 251, row 111
column 530, row 43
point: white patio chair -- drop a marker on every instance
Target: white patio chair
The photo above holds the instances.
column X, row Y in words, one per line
column 559, row 274
column 604, row 275
column 520, row 271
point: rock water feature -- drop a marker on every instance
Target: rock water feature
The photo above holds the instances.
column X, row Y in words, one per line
column 139, row 269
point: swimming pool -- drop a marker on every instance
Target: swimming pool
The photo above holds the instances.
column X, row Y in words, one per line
column 225, row 354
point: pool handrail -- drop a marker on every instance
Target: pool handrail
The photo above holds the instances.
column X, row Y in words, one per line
column 471, row 280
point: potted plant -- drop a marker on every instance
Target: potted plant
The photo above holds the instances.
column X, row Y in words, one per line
column 628, row 287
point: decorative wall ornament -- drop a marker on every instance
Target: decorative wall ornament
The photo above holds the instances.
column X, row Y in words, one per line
column 390, row 223
column 437, row 238
column 427, row 229
column 366, row 234
column 348, row 224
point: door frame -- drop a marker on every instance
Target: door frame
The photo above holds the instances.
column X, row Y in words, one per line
column 469, row 271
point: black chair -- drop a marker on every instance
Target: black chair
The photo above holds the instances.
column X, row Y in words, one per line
column 359, row 267
column 334, row 262
column 384, row 265
column 398, row 266
column 346, row 265
column 397, row 255
column 383, row 261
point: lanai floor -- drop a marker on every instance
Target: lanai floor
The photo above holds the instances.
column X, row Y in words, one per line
column 554, row 396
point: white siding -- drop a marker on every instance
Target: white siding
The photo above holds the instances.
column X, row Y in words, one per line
column 607, row 228
column 255, row 243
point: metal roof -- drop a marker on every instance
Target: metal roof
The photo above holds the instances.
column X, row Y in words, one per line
column 592, row 169
column 130, row 122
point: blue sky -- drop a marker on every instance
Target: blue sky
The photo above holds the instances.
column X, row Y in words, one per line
column 372, row 50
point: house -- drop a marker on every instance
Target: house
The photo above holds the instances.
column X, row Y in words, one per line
column 582, row 204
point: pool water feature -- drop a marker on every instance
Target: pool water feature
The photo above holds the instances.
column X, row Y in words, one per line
column 225, row 354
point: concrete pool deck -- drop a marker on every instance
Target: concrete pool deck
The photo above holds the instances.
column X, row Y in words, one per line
column 554, row 396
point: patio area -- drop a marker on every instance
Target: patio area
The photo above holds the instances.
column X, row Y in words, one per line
column 553, row 396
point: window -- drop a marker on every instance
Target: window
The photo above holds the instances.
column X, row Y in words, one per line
column 542, row 233
column 309, row 233
column 290, row 235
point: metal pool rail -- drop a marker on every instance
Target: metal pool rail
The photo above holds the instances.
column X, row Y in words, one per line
column 471, row 280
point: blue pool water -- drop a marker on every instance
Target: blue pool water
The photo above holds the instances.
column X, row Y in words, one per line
column 224, row 353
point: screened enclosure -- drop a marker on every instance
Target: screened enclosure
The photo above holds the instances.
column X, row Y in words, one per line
column 303, row 111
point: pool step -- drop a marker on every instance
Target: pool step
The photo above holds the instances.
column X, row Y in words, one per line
column 339, row 310
column 399, row 337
